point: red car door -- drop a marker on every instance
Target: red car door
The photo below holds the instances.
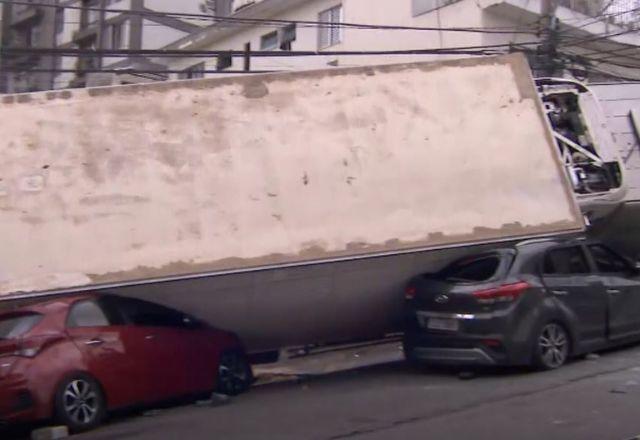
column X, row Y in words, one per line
column 114, row 354
column 165, row 348
column 203, row 353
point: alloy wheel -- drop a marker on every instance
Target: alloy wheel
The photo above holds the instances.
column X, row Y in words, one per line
column 553, row 345
column 81, row 402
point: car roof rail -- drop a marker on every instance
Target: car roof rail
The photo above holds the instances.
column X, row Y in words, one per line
column 535, row 240
column 559, row 240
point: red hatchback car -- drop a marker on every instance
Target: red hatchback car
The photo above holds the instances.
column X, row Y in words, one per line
column 75, row 358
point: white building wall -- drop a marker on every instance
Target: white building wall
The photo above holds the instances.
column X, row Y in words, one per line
column 466, row 13
column 121, row 4
column 184, row 6
column 155, row 35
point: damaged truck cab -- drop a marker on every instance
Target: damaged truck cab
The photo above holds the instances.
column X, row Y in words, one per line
column 586, row 145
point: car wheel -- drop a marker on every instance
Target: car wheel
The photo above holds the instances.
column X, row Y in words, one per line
column 552, row 347
column 234, row 373
column 409, row 357
column 80, row 403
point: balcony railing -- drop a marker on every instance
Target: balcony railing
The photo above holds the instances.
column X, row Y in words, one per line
column 620, row 12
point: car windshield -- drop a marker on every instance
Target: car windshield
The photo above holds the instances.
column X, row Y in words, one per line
column 14, row 326
column 473, row 269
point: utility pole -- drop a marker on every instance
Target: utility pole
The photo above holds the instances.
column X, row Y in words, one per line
column 548, row 50
column 5, row 40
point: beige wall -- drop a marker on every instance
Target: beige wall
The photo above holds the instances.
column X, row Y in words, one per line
column 122, row 183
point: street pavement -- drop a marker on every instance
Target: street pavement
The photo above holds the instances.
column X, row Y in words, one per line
column 597, row 398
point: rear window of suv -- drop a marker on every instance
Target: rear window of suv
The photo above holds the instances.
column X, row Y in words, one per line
column 474, row 269
column 14, row 326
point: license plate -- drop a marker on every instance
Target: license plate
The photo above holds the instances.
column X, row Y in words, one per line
column 442, row 324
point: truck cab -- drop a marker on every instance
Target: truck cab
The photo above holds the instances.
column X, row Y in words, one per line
column 585, row 144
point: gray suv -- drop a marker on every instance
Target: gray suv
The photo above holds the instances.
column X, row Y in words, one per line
column 536, row 303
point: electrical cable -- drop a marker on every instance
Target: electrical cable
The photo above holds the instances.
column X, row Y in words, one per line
column 273, row 22
column 601, row 18
column 138, row 71
column 461, row 50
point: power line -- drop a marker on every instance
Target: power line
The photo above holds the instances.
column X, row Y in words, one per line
column 610, row 75
column 597, row 37
column 181, row 53
column 608, row 54
column 139, row 71
column 601, row 17
column 274, row 22
column 615, row 53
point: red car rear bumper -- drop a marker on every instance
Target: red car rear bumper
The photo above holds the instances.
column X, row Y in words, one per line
column 17, row 403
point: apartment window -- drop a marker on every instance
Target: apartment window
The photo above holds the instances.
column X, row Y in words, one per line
column 423, row 6
column 89, row 13
column 287, row 36
column 59, row 20
column 33, row 36
column 224, row 61
column 332, row 34
column 117, row 35
column 269, row 41
column 193, row 72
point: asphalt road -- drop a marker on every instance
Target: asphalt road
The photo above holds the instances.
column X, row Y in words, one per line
column 587, row 399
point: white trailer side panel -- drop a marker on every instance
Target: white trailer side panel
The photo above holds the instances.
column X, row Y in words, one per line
column 125, row 183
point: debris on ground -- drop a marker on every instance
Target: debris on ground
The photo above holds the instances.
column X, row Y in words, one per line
column 151, row 413
column 219, row 399
column 216, row 399
column 618, row 391
column 592, row 356
column 295, row 366
column 50, row 433
column 466, row 375
column 629, row 386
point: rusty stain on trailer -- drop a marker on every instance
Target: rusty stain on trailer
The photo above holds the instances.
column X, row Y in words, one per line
column 317, row 252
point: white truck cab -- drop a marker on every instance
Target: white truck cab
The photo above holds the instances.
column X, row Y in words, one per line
column 586, row 145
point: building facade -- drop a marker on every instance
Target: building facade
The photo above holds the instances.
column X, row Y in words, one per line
column 85, row 25
column 590, row 38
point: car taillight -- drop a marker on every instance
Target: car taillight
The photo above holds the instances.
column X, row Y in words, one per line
column 410, row 292
column 505, row 293
column 8, row 348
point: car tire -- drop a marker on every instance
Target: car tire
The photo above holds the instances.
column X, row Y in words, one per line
column 552, row 347
column 234, row 373
column 80, row 403
column 409, row 357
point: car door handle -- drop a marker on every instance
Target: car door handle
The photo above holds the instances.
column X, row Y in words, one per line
column 613, row 291
column 560, row 292
column 150, row 337
column 95, row 341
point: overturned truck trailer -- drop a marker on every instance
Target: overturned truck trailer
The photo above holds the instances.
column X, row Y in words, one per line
column 292, row 207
